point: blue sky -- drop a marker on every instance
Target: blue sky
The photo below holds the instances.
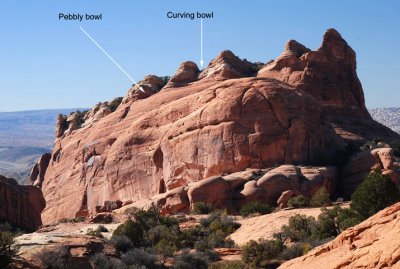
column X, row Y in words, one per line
column 47, row 63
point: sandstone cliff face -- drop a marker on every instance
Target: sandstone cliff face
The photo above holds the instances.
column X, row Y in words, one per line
column 228, row 117
column 373, row 243
column 184, row 135
column 21, row 206
column 329, row 74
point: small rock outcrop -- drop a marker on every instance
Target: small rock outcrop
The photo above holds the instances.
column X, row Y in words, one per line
column 21, row 206
column 39, row 170
column 186, row 73
column 374, row 243
column 226, row 66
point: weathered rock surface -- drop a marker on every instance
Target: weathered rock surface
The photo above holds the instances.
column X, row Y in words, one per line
column 231, row 192
column 21, row 206
column 186, row 73
column 329, row 74
column 373, row 243
column 265, row 226
column 227, row 66
column 39, row 170
column 225, row 119
column 69, row 235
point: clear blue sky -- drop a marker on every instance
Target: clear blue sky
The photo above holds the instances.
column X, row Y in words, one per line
column 47, row 63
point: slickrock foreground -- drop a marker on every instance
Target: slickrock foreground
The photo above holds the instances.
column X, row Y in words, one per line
column 372, row 244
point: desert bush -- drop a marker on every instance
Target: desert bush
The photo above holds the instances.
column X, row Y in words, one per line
column 320, row 198
column 140, row 257
column 131, row 230
column 7, row 250
column 212, row 232
column 347, row 218
column 262, row 253
column 102, row 229
column 298, row 201
column 202, row 208
column 58, row 258
column 163, row 233
column 72, row 220
column 300, row 228
column 198, row 260
column 375, row 193
column 227, row 265
column 101, row 261
column 295, row 250
column 255, row 207
column 121, row 242
column 331, row 222
column 96, row 232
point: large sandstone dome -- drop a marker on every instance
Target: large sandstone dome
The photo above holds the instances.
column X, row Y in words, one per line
column 304, row 108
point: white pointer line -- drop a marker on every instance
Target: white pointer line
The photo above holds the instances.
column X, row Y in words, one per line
column 109, row 57
column 201, row 43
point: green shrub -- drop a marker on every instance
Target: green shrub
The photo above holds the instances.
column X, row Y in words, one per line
column 347, row 218
column 101, row 261
column 295, row 250
column 140, row 257
column 102, row 229
column 374, row 194
column 202, row 208
column 198, row 260
column 131, row 230
column 298, row 201
column 331, row 222
column 58, row 258
column 255, row 207
column 300, row 228
column 7, row 250
column 320, row 198
column 121, row 243
column 227, row 265
column 73, row 220
column 94, row 232
column 261, row 253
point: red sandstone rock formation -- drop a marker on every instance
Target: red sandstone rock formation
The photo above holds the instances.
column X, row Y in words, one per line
column 39, row 170
column 231, row 192
column 224, row 119
column 373, row 243
column 329, row 74
column 21, row 206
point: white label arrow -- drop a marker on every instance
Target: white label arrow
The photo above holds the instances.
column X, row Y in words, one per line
column 201, row 43
column 109, row 57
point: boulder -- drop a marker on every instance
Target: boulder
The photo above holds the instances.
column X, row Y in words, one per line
column 284, row 198
column 186, row 73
